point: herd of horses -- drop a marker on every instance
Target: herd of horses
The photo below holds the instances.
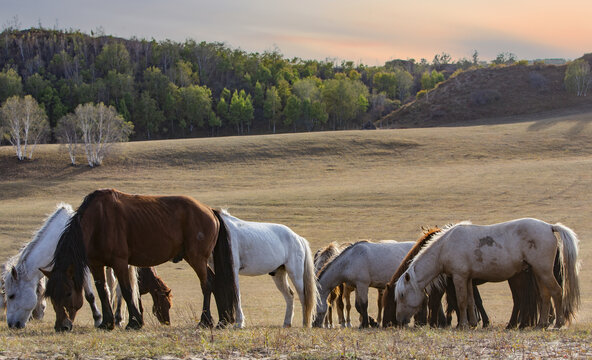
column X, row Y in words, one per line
column 114, row 240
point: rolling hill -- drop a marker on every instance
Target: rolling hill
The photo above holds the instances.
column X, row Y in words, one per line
column 493, row 93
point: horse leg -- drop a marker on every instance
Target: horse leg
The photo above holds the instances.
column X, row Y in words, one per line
column 479, row 306
column 460, row 287
column 346, row 295
column 550, row 288
column 122, row 272
column 471, row 310
column 514, row 282
column 98, row 273
column 379, row 303
column 362, row 303
column 89, row 295
column 339, row 305
column 421, row 317
column 199, row 264
column 281, row 282
column 240, row 316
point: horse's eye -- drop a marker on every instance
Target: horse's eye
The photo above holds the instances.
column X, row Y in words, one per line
column 11, row 297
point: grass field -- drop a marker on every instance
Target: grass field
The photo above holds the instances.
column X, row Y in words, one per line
column 336, row 186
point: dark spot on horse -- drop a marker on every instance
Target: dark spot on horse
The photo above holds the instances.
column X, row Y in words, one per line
column 487, row 241
column 479, row 255
column 532, row 244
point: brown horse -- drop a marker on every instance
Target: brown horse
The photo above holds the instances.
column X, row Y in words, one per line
column 115, row 229
column 162, row 299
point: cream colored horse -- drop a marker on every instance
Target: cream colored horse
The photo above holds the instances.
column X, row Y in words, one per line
column 495, row 253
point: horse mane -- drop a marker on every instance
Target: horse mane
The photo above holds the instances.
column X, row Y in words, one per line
column 331, row 260
column 323, row 255
column 70, row 252
column 437, row 236
column 19, row 260
column 419, row 244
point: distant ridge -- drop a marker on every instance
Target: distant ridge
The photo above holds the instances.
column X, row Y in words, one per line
column 490, row 92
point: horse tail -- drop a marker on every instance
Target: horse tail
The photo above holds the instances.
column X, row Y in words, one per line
column 569, row 270
column 224, row 283
column 133, row 279
column 311, row 293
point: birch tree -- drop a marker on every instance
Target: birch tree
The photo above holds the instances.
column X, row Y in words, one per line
column 68, row 133
column 577, row 77
column 101, row 126
column 25, row 124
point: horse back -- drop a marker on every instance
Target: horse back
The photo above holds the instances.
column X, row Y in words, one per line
column 148, row 229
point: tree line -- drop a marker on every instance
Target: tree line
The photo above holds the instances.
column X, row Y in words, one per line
column 169, row 89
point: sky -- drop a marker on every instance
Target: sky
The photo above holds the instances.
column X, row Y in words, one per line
column 364, row 31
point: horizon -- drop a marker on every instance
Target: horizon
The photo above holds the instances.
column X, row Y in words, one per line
column 330, row 33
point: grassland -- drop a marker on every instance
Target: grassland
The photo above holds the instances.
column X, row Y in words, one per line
column 338, row 186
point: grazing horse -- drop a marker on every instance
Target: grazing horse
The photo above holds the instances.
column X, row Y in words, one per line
column 39, row 309
column 23, row 279
column 162, row 299
column 339, row 298
column 363, row 264
column 274, row 249
column 495, row 253
column 115, row 229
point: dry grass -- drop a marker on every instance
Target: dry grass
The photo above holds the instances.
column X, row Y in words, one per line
column 340, row 186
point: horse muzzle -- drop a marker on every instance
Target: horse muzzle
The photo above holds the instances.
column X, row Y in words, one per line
column 66, row 325
column 16, row 325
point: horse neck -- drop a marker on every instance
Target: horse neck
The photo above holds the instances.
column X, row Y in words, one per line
column 426, row 265
column 39, row 252
column 332, row 276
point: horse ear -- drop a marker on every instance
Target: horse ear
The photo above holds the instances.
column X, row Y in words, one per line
column 407, row 277
column 45, row 272
column 13, row 273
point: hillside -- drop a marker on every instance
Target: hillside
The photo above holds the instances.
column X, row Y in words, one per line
column 489, row 93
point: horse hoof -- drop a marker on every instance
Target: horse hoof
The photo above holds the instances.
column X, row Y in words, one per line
column 287, row 325
column 106, row 326
column 133, row 325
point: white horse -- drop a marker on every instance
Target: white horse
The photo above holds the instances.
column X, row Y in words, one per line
column 264, row 248
column 21, row 279
column 362, row 265
column 495, row 253
column 39, row 310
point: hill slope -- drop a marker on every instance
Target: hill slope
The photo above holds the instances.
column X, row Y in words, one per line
column 490, row 93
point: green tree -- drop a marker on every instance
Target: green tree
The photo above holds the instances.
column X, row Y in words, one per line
column 193, row 106
column 272, row 106
column 148, row 116
column 113, row 56
column 577, row 78
column 385, row 82
column 241, row 111
column 341, row 99
column 292, row 111
column 10, row 84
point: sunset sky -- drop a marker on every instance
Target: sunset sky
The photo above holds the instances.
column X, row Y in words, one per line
column 371, row 31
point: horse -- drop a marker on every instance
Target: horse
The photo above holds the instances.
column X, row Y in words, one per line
column 496, row 253
column 39, row 309
column 274, row 249
column 23, row 279
column 150, row 283
column 115, row 229
column 362, row 264
column 339, row 298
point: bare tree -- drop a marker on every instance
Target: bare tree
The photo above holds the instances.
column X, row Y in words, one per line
column 68, row 133
column 101, row 126
column 577, row 77
column 25, row 123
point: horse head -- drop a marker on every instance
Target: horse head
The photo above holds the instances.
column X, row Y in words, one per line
column 408, row 297
column 162, row 304
column 66, row 297
column 21, row 298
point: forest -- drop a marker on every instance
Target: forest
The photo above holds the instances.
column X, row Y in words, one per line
column 168, row 89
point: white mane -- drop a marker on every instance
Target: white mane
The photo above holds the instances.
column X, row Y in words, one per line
column 26, row 250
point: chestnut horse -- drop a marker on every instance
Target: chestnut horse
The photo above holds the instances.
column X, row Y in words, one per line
column 115, row 229
column 150, row 282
